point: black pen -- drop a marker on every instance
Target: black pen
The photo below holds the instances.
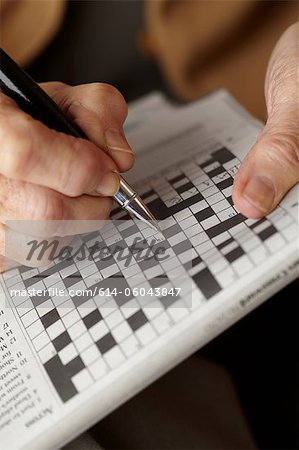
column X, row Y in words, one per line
column 18, row 85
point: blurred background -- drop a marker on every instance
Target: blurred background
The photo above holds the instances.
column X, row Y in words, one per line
column 184, row 49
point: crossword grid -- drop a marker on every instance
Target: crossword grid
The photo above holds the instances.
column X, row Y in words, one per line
column 209, row 246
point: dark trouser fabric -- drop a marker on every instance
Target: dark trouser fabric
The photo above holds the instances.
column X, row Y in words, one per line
column 193, row 406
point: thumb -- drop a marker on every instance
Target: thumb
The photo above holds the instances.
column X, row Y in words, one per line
column 271, row 168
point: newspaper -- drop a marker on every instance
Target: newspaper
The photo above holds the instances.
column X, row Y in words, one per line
column 65, row 362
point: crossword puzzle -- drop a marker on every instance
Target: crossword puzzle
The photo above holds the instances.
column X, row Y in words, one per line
column 209, row 245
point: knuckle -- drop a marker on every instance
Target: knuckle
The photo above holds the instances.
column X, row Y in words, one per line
column 82, row 168
column 48, row 207
column 89, row 171
column 110, row 96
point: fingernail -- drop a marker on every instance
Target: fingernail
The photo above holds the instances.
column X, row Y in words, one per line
column 116, row 141
column 109, row 184
column 260, row 193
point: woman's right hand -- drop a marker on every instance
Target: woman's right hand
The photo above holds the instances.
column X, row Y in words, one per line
column 60, row 185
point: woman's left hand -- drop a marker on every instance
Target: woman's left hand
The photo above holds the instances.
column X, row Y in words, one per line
column 271, row 168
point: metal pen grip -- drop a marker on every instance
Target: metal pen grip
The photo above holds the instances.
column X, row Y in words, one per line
column 125, row 194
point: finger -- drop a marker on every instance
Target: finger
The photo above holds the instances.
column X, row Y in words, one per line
column 100, row 111
column 17, row 249
column 7, row 264
column 271, row 168
column 43, row 212
column 29, row 151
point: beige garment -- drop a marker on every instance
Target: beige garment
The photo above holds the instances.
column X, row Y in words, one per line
column 27, row 26
column 204, row 45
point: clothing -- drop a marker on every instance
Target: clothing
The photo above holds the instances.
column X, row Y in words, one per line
column 204, row 45
column 27, row 26
column 195, row 406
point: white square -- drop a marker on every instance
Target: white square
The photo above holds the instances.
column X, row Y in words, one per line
column 41, row 341
column 52, row 280
column 29, row 318
column 130, row 346
column 167, row 223
column 71, row 318
column 193, row 230
column 83, row 341
column 199, row 206
column 35, row 329
column 98, row 330
column 146, row 334
column 250, row 244
column 215, row 198
column 178, row 311
column 226, row 277
column 45, row 307
column 114, row 319
column 47, row 352
column 68, row 353
column 221, row 238
column 209, row 192
column 90, row 354
column 114, row 357
column 275, row 243
column 69, row 270
column 210, row 222
column 121, row 331
column 258, row 254
column 65, row 308
column 82, row 380
column 87, row 307
column 220, row 206
column 218, row 265
column 170, row 263
column 98, row 369
column 228, row 191
column 26, row 306
column 188, row 222
column 242, row 265
column 226, row 213
column 177, row 238
column 76, row 330
column 130, row 308
column 291, row 232
column 110, row 270
column 154, row 309
column 55, row 329
column 181, row 215
column 161, row 323
column 229, row 247
column 199, row 239
column 155, row 271
column 202, row 248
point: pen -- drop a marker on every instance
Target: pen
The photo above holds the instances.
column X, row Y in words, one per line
column 18, row 85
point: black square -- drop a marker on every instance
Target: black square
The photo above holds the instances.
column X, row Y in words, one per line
column 61, row 341
column 137, row 320
column 92, row 318
column 50, row 318
column 106, row 343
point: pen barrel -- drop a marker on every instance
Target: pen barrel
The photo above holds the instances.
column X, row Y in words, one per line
column 18, row 85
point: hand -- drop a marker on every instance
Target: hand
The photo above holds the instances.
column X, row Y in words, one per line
column 271, row 168
column 51, row 179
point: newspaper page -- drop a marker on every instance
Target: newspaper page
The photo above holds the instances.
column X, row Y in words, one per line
column 67, row 360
